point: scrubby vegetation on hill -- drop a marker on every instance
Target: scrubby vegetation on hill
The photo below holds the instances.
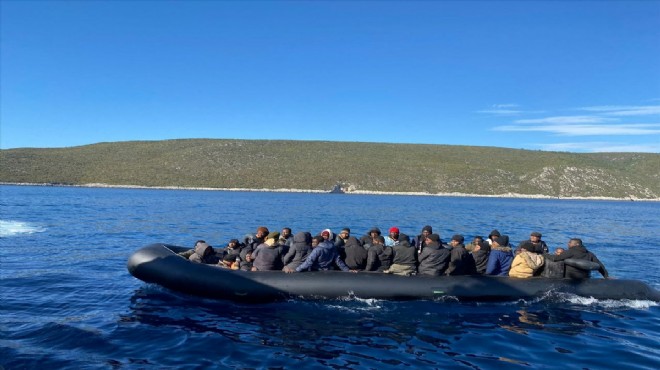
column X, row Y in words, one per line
column 270, row 164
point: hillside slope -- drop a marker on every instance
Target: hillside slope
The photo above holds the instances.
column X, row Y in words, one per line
column 267, row 164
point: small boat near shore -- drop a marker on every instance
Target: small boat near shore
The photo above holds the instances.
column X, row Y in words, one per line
column 159, row 264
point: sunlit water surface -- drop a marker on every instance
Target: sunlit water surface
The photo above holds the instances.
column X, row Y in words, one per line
column 68, row 301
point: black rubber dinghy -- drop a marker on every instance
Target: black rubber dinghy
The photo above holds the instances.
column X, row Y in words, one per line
column 159, row 264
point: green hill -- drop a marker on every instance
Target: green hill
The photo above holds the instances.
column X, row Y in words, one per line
column 270, row 164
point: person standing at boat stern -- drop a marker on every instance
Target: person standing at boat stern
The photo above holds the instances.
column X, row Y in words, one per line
column 535, row 239
column 577, row 250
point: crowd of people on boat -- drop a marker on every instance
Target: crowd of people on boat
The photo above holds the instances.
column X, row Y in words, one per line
column 396, row 253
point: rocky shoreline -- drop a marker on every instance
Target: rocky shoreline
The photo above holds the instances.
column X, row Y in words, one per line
column 348, row 192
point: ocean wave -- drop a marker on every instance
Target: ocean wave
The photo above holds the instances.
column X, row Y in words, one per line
column 638, row 304
column 13, row 228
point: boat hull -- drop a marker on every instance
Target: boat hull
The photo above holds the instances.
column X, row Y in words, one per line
column 159, row 264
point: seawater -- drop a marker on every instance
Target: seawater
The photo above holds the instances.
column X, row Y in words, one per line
column 68, row 302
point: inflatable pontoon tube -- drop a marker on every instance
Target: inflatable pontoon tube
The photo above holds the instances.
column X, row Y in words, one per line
column 159, row 264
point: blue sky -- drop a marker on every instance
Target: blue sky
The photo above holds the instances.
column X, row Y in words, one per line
column 569, row 76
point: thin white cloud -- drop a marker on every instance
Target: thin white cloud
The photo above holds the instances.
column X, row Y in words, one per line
column 504, row 106
column 587, row 130
column 598, row 147
column 624, row 110
column 506, row 110
column 595, row 121
column 563, row 120
column 502, row 112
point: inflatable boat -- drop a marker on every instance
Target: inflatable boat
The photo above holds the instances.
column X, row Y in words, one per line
column 159, row 264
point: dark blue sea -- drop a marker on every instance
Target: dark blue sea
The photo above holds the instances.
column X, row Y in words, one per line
column 68, row 301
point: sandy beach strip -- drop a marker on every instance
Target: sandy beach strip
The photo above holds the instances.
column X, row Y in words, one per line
column 360, row 192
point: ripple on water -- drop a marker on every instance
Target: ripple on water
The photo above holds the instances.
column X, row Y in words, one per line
column 69, row 303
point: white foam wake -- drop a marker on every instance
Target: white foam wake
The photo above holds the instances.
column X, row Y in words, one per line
column 13, row 228
column 638, row 304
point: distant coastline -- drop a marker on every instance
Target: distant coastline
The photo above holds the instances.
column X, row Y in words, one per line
column 351, row 168
column 360, row 192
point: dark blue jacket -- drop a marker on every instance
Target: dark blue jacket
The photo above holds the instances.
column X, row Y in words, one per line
column 322, row 258
column 499, row 261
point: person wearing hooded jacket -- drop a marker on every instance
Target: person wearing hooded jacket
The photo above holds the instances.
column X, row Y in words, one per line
column 480, row 254
column 327, row 234
column 500, row 258
column 353, row 254
column 323, row 257
column 286, row 239
column 526, row 262
column 233, row 248
column 404, row 261
column 395, row 237
column 252, row 241
column 492, row 236
column 577, row 250
column 379, row 257
column 476, row 241
column 434, row 258
column 420, row 240
column 189, row 252
column 251, row 244
column 461, row 262
column 342, row 237
column 268, row 255
column 300, row 249
column 204, row 253
column 367, row 239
